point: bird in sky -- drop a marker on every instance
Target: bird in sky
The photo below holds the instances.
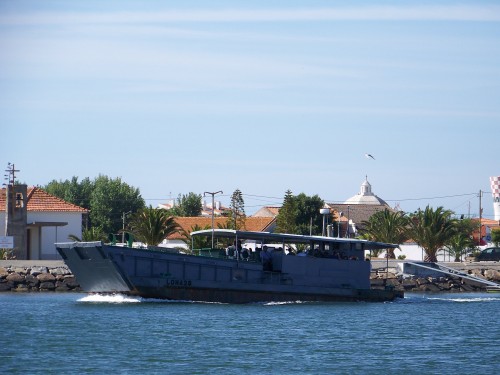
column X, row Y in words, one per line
column 369, row 156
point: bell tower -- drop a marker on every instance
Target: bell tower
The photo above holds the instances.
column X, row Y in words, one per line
column 16, row 213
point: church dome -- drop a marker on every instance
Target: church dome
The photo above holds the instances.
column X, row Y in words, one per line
column 366, row 196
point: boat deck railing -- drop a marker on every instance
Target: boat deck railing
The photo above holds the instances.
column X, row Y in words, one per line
column 221, row 254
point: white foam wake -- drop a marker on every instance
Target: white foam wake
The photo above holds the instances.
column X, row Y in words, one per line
column 109, row 298
column 277, row 303
column 467, row 299
column 121, row 298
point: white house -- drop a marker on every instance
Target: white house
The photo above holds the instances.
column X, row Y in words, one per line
column 48, row 220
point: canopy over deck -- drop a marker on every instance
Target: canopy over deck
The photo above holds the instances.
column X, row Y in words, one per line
column 290, row 238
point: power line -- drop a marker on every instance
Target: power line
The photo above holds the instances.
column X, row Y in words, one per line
column 262, row 196
column 427, row 198
column 278, row 200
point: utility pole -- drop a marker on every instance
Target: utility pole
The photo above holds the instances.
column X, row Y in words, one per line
column 10, row 177
column 213, row 209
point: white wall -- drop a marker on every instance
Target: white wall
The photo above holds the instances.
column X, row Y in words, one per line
column 415, row 252
column 51, row 235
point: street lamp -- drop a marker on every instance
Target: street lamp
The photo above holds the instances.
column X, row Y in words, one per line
column 213, row 209
column 324, row 212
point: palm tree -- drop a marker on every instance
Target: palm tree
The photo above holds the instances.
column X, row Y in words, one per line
column 386, row 226
column 225, row 242
column 89, row 235
column 458, row 245
column 225, row 225
column 198, row 242
column 462, row 240
column 151, row 226
column 432, row 229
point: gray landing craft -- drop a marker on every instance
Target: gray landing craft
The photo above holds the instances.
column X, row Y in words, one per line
column 327, row 269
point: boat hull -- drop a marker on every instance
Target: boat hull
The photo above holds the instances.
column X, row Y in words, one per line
column 251, row 296
column 171, row 275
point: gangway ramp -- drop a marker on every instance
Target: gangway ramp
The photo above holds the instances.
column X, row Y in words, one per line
column 453, row 272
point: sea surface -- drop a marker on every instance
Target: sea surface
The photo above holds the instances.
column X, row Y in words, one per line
column 67, row 333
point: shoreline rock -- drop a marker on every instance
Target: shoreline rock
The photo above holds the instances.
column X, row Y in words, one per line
column 445, row 283
column 37, row 279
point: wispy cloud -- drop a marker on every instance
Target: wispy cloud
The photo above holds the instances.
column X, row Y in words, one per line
column 489, row 13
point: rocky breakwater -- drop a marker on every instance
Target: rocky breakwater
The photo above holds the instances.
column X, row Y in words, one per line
column 37, row 279
column 444, row 283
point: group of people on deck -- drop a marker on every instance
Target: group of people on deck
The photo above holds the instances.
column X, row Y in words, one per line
column 237, row 251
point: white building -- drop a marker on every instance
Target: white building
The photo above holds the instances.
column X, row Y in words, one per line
column 359, row 208
column 48, row 220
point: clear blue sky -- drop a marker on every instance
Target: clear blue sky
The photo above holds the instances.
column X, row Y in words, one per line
column 264, row 96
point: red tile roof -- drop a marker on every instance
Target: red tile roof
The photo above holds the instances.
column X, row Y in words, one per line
column 356, row 212
column 267, row 211
column 257, row 224
column 492, row 224
column 489, row 222
column 41, row 201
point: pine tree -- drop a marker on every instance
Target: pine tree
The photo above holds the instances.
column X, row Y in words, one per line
column 287, row 217
column 237, row 207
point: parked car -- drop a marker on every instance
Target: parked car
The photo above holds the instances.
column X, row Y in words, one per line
column 490, row 253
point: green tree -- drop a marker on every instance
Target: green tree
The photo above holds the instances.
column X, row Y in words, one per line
column 200, row 242
column 287, row 216
column 458, row 246
column 462, row 241
column 72, row 191
column 106, row 198
column 89, row 235
column 187, row 205
column 237, row 207
column 225, row 225
column 151, row 226
column 308, row 219
column 495, row 237
column 386, row 226
column 7, row 254
column 432, row 229
column 225, row 242
column 109, row 200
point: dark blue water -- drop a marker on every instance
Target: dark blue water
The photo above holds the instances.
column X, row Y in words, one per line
column 75, row 334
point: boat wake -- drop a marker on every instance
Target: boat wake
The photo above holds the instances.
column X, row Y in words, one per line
column 467, row 298
column 109, row 298
column 121, row 298
column 283, row 303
